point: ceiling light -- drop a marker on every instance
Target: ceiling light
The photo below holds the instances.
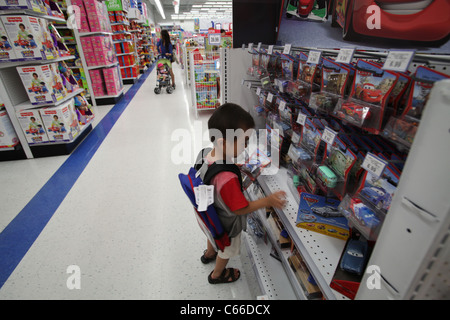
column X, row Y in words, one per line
column 160, row 8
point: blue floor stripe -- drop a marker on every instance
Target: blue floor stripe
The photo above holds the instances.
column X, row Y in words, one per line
column 20, row 234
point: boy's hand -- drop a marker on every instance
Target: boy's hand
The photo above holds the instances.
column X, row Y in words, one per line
column 277, row 199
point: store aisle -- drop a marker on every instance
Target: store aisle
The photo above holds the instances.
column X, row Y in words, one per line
column 125, row 224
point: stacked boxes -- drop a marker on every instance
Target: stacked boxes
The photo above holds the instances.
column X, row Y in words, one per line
column 98, row 50
column 97, row 16
column 61, row 122
column 7, row 51
column 112, row 80
column 32, row 126
column 84, row 25
column 43, row 83
column 8, row 137
column 97, row 82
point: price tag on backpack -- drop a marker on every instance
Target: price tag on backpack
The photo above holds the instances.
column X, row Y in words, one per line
column 373, row 164
column 204, row 196
column 329, row 135
column 398, row 60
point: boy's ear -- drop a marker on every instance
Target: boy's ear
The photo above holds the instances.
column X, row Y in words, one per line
column 220, row 143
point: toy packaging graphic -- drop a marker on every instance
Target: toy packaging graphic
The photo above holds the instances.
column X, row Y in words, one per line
column 315, row 10
column 32, row 126
column 21, row 4
column 320, row 214
column 26, row 36
column 42, row 83
column 8, row 137
column 7, row 51
column 61, row 122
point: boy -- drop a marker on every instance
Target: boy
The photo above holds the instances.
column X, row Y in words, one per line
column 229, row 201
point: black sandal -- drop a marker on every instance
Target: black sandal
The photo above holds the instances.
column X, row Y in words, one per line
column 206, row 260
column 225, row 279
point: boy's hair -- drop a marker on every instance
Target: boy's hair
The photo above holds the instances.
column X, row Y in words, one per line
column 229, row 116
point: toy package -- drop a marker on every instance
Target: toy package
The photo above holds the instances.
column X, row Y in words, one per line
column 113, row 83
column 61, row 122
column 32, row 126
column 83, row 109
column 8, row 137
column 103, row 50
column 43, row 83
column 335, row 79
column 320, row 214
column 366, row 106
column 97, row 14
column 314, row 10
column 83, row 16
column 21, row 4
column 25, row 34
column 7, row 51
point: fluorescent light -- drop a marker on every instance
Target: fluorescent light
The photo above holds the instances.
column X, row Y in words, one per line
column 160, row 9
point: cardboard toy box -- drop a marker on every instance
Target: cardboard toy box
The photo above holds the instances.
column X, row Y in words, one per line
column 25, row 35
column 43, row 83
column 61, row 122
column 7, row 51
column 320, row 214
column 8, row 137
column 112, row 79
column 32, row 125
column 21, row 4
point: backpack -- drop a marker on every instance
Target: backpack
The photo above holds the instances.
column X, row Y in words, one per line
column 208, row 220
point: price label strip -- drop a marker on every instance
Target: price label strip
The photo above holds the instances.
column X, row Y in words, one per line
column 287, row 48
column 329, row 135
column 314, row 57
column 345, row 55
column 398, row 60
column 373, row 164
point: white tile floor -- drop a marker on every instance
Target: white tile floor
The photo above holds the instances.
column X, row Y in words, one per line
column 125, row 223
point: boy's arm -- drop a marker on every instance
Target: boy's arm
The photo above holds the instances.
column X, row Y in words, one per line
column 274, row 200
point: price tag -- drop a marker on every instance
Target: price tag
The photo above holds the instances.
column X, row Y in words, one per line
column 269, row 97
column 279, row 128
column 398, row 60
column 258, row 91
column 250, row 47
column 259, row 46
column 249, row 85
column 214, row 38
column 345, row 55
column 243, row 46
column 301, row 119
column 287, row 48
column 270, row 50
column 373, row 164
column 314, row 57
column 329, row 135
column 282, row 105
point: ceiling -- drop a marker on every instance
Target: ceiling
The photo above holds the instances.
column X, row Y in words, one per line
column 185, row 6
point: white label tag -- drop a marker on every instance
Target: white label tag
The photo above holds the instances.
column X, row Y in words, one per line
column 270, row 97
column 214, row 38
column 345, row 55
column 398, row 60
column 314, row 57
column 250, row 47
column 249, row 85
column 373, row 164
column 204, row 196
column 282, row 105
column 301, row 119
column 259, row 46
column 329, row 135
column 258, row 91
column 287, row 48
column 243, row 46
column 270, row 50
column 242, row 82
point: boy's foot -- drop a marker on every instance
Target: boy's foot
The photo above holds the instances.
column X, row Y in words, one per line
column 206, row 259
column 173, row 86
column 228, row 275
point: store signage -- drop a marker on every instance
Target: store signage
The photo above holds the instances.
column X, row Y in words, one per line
column 373, row 164
column 214, row 39
column 345, row 55
column 398, row 60
column 114, row 5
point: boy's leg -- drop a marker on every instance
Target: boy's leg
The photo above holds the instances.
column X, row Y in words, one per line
column 210, row 251
column 220, row 266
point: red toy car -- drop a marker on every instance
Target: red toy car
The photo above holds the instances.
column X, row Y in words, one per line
column 305, row 7
column 370, row 94
column 357, row 112
column 413, row 20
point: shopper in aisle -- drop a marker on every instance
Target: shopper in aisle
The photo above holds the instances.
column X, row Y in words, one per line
column 231, row 205
column 165, row 49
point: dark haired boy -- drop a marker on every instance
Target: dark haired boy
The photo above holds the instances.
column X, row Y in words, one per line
column 230, row 128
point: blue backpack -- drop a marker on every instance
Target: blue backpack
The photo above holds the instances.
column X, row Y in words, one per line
column 208, row 220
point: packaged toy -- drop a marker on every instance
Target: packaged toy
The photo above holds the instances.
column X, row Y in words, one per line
column 315, row 10
column 42, row 83
column 7, row 51
column 320, row 214
column 112, row 79
column 32, row 126
column 8, row 137
column 61, row 122
column 21, row 4
column 25, row 34
column 83, row 108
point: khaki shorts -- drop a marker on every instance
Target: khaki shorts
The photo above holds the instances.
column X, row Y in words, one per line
column 234, row 249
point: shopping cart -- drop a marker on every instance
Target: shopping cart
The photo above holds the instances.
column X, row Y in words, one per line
column 163, row 78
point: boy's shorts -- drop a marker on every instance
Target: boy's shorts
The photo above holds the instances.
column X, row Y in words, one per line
column 234, row 249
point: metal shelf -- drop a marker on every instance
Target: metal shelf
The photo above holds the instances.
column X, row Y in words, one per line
column 18, row 63
column 28, row 105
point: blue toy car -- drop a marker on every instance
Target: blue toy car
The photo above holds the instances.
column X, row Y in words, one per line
column 376, row 195
column 355, row 257
column 365, row 216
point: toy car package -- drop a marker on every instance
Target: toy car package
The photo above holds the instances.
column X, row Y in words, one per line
column 315, row 10
column 320, row 214
column 371, row 89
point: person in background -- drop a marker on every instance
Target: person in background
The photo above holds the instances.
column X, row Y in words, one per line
column 165, row 49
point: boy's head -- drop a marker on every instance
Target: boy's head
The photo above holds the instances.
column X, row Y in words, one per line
column 230, row 127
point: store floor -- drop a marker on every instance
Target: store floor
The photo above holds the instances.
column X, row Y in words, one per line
column 120, row 229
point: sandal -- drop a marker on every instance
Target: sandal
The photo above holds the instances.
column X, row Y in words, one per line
column 231, row 277
column 206, row 260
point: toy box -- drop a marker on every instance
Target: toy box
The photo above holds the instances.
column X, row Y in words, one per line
column 103, row 50
column 84, row 25
column 8, row 137
column 97, row 16
column 20, row 4
column 321, row 214
column 86, row 44
column 32, row 126
column 112, row 79
column 97, row 82
column 42, row 83
column 61, row 122
column 7, row 51
column 25, row 35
